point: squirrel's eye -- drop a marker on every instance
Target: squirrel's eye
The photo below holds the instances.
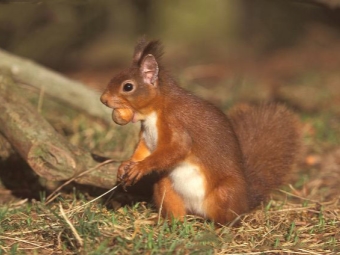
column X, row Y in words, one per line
column 128, row 87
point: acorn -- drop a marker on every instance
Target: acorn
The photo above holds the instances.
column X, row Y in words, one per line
column 122, row 116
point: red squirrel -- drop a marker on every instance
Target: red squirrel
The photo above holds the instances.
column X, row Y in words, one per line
column 208, row 164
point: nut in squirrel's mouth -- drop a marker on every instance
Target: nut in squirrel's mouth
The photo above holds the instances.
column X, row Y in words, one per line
column 122, row 116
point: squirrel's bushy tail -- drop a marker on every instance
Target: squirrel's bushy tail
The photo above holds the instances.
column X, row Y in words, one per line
column 269, row 136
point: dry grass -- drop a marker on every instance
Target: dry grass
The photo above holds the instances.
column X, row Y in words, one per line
column 292, row 225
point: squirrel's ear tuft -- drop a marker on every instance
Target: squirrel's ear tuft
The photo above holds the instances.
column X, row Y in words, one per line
column 149, row 69
column 139, row 48
column 144, row 48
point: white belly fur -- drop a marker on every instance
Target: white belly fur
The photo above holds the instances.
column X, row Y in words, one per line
column 188, row 181
column 150, row 133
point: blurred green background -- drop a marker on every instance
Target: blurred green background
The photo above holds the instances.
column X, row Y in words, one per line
column 66, row 34
column 274, row 44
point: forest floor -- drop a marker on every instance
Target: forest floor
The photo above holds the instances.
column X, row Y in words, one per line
column 300, row 218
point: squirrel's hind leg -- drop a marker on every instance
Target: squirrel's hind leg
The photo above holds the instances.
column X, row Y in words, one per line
column 226, row 202
column 170, row 204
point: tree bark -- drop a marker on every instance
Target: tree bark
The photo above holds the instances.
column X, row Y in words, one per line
column 71, row 92
column 46, row 151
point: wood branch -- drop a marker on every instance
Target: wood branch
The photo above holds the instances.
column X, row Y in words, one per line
column 329, row 4
column 46, row 151
column 71, row 92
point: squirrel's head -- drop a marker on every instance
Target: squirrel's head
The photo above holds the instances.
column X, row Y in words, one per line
column 132, row 92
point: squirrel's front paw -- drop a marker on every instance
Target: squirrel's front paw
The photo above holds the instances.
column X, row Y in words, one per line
column 123, row 169
column 130, row 172
column 134, row 174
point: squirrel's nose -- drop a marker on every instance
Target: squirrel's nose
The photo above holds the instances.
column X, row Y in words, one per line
column 104, row 99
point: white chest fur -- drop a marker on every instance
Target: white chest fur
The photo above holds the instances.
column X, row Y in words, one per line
column 150, row 133
column 188, row 181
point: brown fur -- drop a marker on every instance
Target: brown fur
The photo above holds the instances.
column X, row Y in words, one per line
column 270, row 140
column 240, row 159
column 167, row 200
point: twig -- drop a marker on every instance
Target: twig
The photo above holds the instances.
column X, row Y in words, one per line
column 84, row 205
column 303, row 198
column 19, row 203
column 59, row 240
column 51, row 197
column 161, row 207
column 74, row 231
column 54, row 197
column 238, row 217
column 24, row 241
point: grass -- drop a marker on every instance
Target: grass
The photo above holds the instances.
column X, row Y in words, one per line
column 301, row 218
column 304, row 228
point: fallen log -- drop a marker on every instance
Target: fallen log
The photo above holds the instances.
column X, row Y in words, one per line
column 55, row 85
column 48, row 153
